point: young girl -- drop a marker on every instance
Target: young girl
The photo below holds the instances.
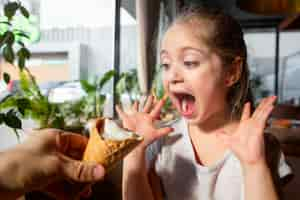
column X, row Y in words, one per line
column 217, row 150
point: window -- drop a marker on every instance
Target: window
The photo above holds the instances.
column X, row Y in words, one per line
column 261, row 59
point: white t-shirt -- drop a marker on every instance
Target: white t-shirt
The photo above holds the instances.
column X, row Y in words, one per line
column 184, row 179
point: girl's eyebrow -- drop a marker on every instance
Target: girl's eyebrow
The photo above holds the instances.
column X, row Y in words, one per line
column 193, row 49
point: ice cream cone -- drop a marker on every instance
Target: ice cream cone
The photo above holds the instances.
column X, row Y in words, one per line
column 108, row 143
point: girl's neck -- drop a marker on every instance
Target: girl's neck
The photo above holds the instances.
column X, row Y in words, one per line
column 218, row 121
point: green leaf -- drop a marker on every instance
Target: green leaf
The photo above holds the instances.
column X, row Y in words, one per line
column 58, row 123
column 8, row 102
column 22, row 105
column 21, row 43
column 24, row 53
column 39, row 109
column 10, row 9
column 25, row 83
column 87, row 87
column 24, row 11
column 21, row 63
column 12, row 120
column 121, row 85
column 2, row 116
column 106, row 77
column 8, row 54
column 128, row 83
column 5, row 22
column 22, row 34
column 102, row 99
column 17, row 134
column 9, row 38
column 99, row 105
column 1, row 40
column 6, row 77
column 29, row 85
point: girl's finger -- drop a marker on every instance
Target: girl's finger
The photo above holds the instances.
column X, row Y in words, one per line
column 259, row 108
column 272, row 100
column 148, row 104
column 246, row 111
column 265, row 105
column 269, row 102
column 264, row 116
column 135, row 106
column 163, row 131
column 157, row 108
column 120, row 112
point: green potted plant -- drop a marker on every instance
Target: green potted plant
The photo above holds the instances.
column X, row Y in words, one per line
column 28, row 101
column 127, row 89
column 13, row 48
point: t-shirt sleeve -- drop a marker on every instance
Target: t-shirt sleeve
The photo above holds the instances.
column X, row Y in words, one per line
column 152, row 153
column 283, row 168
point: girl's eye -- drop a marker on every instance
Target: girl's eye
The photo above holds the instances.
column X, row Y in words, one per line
column 191, row 63
column 165, row 66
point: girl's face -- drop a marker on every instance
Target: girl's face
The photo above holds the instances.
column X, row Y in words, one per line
column 193, row 75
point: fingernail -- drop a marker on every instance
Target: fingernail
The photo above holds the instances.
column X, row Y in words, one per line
column 98, row 172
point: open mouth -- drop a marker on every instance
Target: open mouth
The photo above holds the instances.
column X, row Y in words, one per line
column 185, row 103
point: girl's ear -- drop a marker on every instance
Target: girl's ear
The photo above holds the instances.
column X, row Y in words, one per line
column 233, row 75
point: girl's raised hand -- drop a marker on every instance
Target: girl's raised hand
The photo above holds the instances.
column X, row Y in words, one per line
column 248, row 141
column 142, row 122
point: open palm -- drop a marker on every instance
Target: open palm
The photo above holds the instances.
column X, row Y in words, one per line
column 248, row 140
column 142, row 122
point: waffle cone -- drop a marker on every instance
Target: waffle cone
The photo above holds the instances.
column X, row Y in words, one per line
column 107, row 152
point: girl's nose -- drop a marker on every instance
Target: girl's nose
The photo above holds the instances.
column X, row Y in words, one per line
column 175, row 75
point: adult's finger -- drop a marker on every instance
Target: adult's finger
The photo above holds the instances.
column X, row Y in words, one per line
column 79, row 171
column 72, row 145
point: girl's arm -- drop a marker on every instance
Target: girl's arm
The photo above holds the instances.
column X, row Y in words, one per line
column 258, row 182
column 136, row 184
column 135, row 177
column 249, row 146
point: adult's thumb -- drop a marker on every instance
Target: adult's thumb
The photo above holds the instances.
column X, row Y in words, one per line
column 79, row 171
